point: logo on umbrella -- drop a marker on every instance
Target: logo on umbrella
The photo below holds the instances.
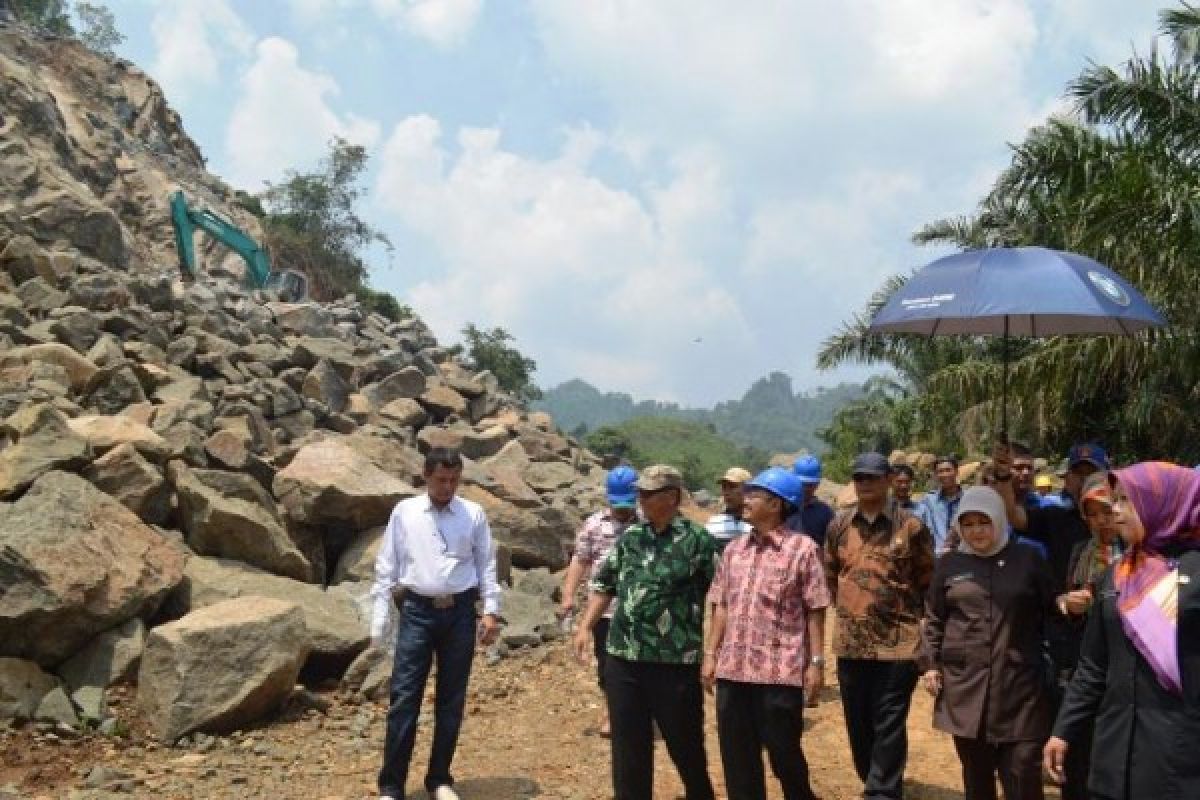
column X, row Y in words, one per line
column 1108, row 287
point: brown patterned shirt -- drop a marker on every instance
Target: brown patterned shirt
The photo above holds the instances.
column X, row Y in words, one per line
column 879, row 572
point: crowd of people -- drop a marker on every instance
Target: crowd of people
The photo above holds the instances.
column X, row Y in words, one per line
column 1059, row 633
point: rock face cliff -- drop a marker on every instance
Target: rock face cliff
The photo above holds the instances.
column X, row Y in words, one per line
column 197, row 458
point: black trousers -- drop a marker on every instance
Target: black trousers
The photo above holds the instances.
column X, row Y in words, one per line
column 1079, row 755
column 600, row 647
column 876, row 696
column 1018, row 765
column 640, row 694
column 753, row 716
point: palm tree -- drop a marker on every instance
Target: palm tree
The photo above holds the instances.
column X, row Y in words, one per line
column 1120, row 181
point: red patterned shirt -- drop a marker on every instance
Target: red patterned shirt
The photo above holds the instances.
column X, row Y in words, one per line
column 596, row 537
column 768, row 584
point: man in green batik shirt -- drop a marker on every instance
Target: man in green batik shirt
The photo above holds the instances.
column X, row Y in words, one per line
column 659, row 573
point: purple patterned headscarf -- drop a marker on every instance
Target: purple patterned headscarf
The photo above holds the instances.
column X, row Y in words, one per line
column 1166, row 498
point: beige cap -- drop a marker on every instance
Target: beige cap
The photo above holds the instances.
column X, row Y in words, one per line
column 735, row 475
column 659, row 476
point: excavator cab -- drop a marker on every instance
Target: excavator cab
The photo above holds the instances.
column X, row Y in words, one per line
column 288, row 285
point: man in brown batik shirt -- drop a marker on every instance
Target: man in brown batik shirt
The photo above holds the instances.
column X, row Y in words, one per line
column 878, row 564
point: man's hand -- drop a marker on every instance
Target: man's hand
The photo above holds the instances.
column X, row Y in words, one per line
column 814, row 682
column 379, row 643
column 1077, row 602
column 708, row 672
column 1002, row 460
column 932, row 680
column 567, row 607
column 1054, row 755
column 581, row 644
column 489, row 629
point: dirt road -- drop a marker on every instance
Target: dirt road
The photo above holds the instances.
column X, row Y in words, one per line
column 527, row 734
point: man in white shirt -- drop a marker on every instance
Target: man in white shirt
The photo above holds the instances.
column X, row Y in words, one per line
column 729, row 524
column 435, row 561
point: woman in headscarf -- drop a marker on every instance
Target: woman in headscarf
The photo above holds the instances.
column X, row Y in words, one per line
column 1089, row 561
column 1138, row 677
column 982, row 651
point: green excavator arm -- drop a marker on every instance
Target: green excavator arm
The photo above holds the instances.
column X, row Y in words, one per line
column 185, row 220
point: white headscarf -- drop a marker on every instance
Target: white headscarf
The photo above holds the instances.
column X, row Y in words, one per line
column 983, row 500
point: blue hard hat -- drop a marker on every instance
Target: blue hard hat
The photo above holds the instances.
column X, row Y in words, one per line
column 621, row 486
column 808, row 469
column 782, row 483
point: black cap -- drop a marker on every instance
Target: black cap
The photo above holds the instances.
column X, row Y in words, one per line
column 871, row 464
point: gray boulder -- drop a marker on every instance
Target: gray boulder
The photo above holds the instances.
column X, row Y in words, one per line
column 406, row 412
column 79, row 369
column 333, row 617
column 325, row 385
column 329, row 482
column 532, row 540
column 139, row 485
column 230, row 515
column 110, row 658
column 40, row 440
column 221, row 667
column 76, row 563
column 407, row 383
column 22, row 687
column 104, row 433
column 357, row 562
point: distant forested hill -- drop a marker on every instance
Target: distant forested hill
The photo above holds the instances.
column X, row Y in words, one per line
column 770, row 416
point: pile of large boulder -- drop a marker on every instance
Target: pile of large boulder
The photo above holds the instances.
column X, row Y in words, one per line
column 192, row 447
column 194, row 478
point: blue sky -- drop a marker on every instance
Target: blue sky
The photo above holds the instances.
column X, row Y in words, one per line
column 662, row 197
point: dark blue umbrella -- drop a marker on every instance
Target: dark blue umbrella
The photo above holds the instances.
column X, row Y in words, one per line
column 1017, row 291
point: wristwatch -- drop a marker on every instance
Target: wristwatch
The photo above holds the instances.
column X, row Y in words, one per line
column 817, row 661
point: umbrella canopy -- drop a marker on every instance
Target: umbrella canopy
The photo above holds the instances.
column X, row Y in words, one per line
column 1015, row 291
column 1018, row 291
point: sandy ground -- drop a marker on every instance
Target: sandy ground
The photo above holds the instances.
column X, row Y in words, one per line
column 529, row 732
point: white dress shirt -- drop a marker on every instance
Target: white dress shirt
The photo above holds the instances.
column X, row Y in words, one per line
column 433, row 552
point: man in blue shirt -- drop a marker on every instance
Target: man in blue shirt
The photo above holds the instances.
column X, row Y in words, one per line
column 813, row 516
column 936, row 509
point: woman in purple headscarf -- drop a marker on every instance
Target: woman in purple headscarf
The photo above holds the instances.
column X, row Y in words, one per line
column 1138, row 676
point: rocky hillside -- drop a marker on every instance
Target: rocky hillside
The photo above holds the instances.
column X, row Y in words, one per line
column 193, row 479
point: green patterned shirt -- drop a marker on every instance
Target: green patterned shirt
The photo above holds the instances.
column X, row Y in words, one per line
column 660, row 581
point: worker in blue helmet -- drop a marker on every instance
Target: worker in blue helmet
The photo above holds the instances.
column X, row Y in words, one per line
column 594, row 539
column 812, row 516
column 764, row 653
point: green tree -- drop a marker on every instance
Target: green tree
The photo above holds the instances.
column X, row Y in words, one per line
column 312, row 223
column 701, row 455
column 1118, row 182
column 491, row 350
column 51, row 16
column 98, row 27
column 609, row 441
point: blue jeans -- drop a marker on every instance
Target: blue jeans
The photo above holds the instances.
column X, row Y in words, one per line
column 425, row 631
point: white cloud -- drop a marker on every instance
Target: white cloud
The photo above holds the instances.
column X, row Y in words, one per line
column 608, row 285
column 445, row 23
column 755, row 70
column 283, row 117
column 192, row 38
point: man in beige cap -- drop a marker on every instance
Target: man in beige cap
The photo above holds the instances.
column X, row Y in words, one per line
column 658, row 572
column 728, row 525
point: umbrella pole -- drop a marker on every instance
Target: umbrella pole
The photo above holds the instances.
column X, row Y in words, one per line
column 1004, row 388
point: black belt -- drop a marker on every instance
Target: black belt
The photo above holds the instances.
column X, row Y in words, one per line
column 439, row 601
